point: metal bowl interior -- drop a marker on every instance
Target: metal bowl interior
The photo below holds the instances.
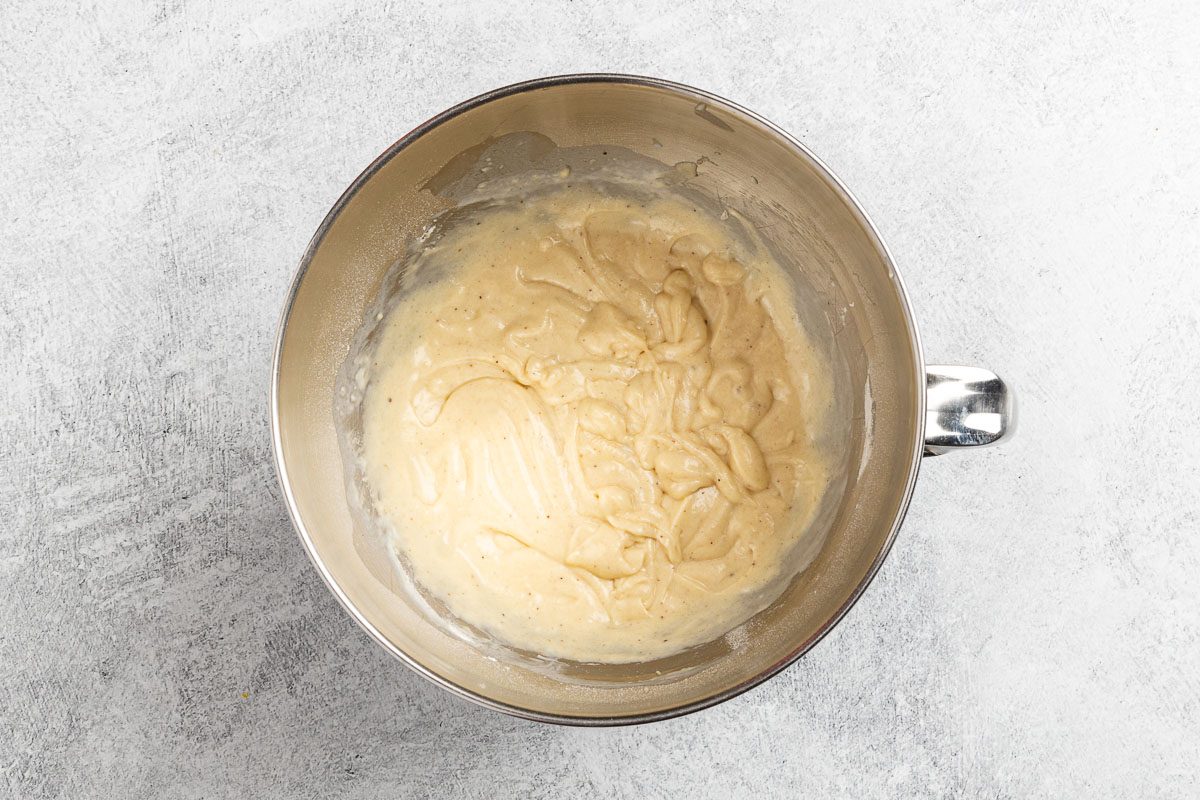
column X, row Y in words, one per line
column 756, row 171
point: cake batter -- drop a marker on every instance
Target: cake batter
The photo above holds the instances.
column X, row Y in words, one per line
column 588, row 432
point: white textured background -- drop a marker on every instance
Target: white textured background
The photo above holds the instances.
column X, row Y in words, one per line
column 1034, row 167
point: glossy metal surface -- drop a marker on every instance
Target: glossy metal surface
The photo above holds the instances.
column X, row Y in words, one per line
column 854, row 303
column 965, row 407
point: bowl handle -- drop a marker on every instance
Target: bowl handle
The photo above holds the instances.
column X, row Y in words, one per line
column 966, row 407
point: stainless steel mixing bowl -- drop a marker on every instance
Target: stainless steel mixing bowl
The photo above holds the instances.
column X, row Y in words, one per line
column 895, row 408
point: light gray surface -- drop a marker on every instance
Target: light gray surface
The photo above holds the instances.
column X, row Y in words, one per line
column 1035, row 169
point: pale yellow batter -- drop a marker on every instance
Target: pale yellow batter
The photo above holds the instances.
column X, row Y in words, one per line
column 587, row 432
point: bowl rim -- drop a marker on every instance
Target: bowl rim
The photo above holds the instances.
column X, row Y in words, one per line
column 277, row 443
